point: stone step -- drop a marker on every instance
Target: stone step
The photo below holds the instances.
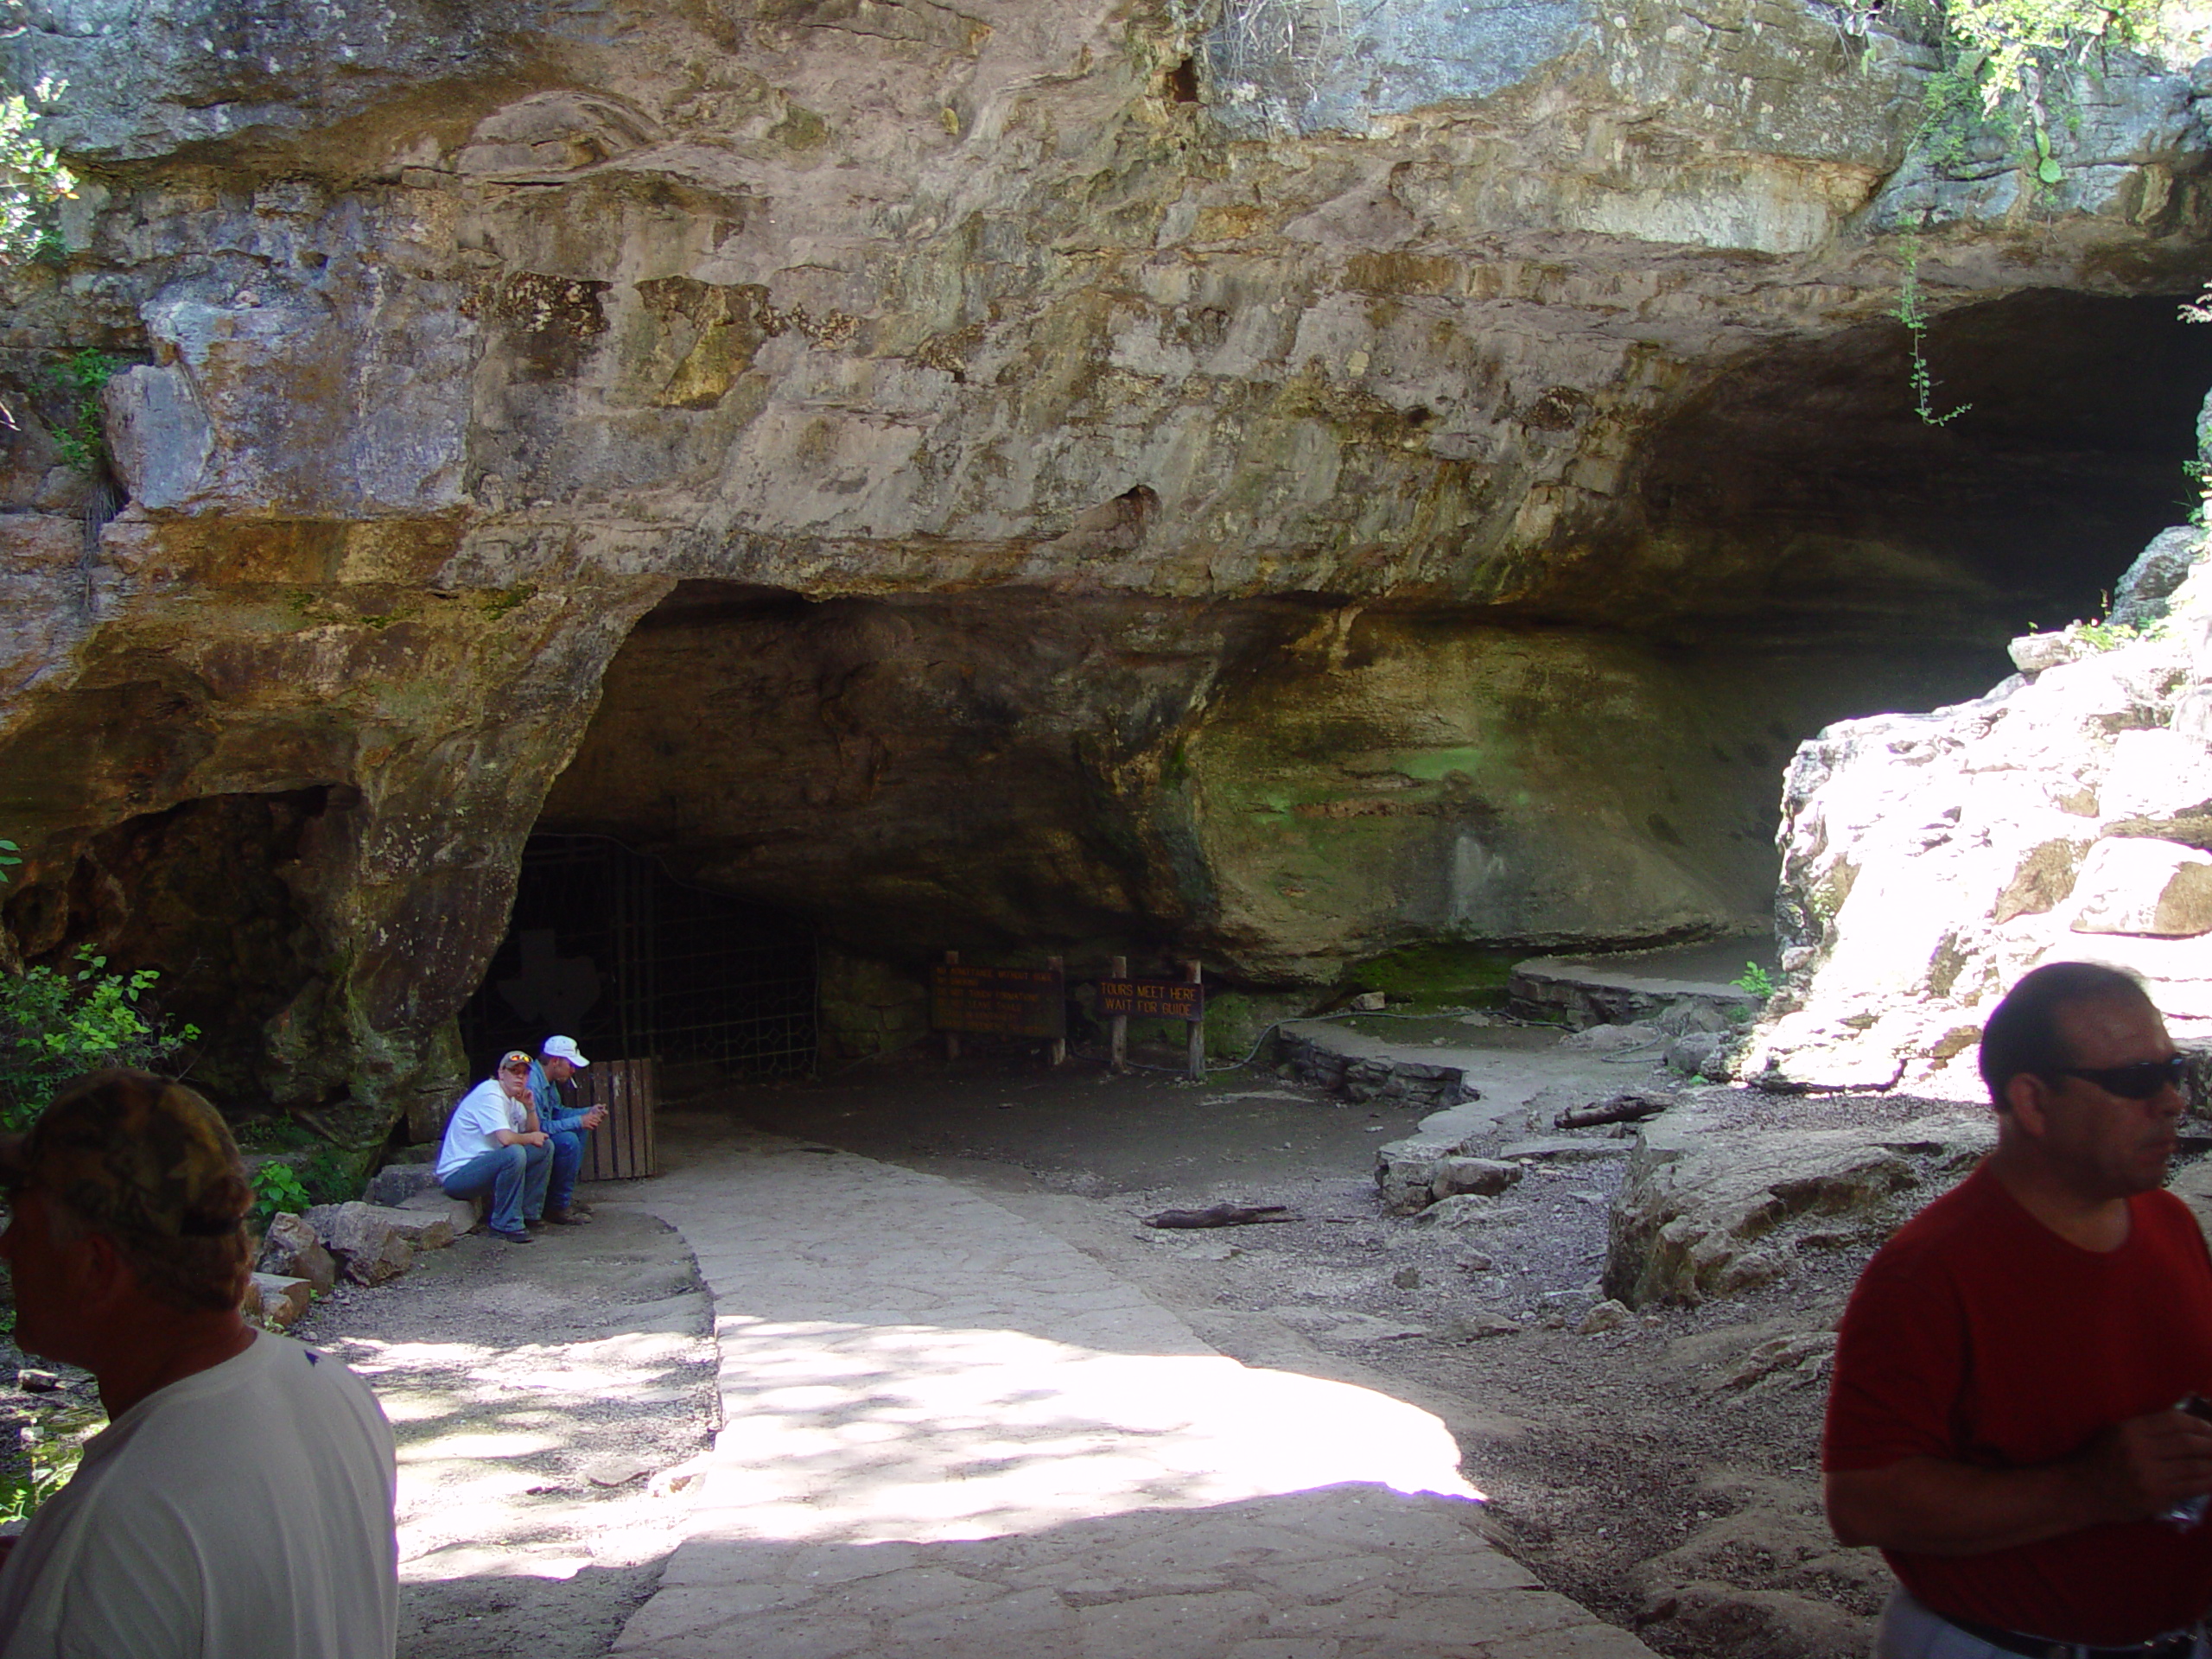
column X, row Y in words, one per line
column 1636, row 987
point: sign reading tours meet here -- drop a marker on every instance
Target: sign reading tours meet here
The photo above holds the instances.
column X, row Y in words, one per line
column 1152, row 999
column 1032, row 1002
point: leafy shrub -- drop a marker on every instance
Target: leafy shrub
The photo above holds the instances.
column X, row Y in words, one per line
column 56, row 1024
column 277, row 1186
column 80, row 438
column 32, row 179
column 1754, row 980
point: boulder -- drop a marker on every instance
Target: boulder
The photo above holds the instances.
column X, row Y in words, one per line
column 394, row 1183
column 279, row 1301
column 1487, row 1176
column 1608, row 1315
column 1611, row 1040
column 1696, row 1215
column 2033, row 653
column 291, row 1250
column 2157, row 888
column 1405, row 1171
column 368, row 1244
column 1699, row 1054
column 2141, row 597
column 461, row 1215
column 1797, row 1359
column 1474, row 1324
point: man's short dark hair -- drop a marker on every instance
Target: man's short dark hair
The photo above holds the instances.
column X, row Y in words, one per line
column 2022, row 1035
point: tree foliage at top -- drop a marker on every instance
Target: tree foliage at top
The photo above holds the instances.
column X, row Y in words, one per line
column 31, row 178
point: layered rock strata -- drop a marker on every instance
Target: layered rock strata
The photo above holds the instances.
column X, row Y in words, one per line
column 1404, row 458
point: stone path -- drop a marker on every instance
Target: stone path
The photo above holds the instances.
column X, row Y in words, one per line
column 949, row 1433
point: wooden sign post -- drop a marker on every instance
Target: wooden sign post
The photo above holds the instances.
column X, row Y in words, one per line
column 1117, row 1030
column 1156, row 999
column 1055, row 1052
column 1198, row 1029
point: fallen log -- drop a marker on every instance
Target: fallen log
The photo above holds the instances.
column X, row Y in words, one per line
column 1621, row 1109
column 1222, row 1215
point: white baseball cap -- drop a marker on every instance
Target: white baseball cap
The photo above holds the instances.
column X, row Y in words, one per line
column 563, row 1048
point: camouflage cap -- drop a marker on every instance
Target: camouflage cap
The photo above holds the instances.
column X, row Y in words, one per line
column 134, row 1154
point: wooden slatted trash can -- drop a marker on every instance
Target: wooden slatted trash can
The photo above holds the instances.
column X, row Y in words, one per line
column 620, row 1149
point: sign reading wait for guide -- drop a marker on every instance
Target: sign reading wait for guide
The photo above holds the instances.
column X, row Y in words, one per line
column 998, row 1001
column 1152, row 999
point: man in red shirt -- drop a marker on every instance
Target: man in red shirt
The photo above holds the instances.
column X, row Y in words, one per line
column 2003, row 1419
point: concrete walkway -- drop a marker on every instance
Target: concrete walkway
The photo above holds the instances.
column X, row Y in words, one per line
column 949, row 1433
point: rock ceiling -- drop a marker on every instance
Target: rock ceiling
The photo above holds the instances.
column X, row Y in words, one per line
column 1055, row 474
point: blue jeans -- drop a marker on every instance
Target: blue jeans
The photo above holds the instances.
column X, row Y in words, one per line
column 568, row 1158
column 514, row 1176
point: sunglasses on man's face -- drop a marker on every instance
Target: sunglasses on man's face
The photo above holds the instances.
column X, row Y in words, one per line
column 2138, row 1081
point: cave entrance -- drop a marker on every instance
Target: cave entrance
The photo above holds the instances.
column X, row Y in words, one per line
column 607, row 946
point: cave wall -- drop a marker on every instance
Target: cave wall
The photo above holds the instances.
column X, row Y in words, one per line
column 1285, row 787
column 1109, row 351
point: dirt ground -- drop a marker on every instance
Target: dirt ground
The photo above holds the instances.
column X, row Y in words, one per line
column 1664, row 1473
column 536, row 1394
column 545, row 1399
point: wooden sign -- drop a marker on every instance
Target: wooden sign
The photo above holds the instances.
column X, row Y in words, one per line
column 1152, row 999
column 1002, row 1002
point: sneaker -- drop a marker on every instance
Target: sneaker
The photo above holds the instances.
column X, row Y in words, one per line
column 566, row 1218
column 535, row 1223
column 514, row 1238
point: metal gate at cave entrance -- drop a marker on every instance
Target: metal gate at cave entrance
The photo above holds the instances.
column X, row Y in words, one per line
column 605, row 946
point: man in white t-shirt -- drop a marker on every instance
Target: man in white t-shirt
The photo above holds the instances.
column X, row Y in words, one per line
column 238, row 1505
column 492, row 1148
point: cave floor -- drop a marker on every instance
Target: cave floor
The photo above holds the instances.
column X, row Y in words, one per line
column 1624, row 1468
column 951, row 1432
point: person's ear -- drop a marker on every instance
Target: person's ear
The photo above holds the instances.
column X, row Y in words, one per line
column 2027, row 1095
column 106, row 1274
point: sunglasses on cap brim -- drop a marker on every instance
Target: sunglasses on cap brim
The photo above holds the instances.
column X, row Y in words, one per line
column 2138, row 1081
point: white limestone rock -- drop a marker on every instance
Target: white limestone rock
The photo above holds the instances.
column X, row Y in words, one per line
column 1929, row 861
column 2159, row 888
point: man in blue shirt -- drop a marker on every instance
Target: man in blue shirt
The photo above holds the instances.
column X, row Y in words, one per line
column 558, row 1060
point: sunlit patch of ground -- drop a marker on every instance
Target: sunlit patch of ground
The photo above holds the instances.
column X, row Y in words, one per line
column 540, row 1399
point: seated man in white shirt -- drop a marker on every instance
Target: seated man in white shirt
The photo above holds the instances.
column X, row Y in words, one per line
column 488, row 1150
column 239, row 1504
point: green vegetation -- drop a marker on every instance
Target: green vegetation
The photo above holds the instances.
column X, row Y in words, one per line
column 1916, row 324
column 32, row 179
column 41, row 1479
column 2010, row 69
column 56, row 1023
column 79, row 437
column 500, row 601
column 277, row 1186
column 1754, row 980
column 1439, row 975
column 2111, row 636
